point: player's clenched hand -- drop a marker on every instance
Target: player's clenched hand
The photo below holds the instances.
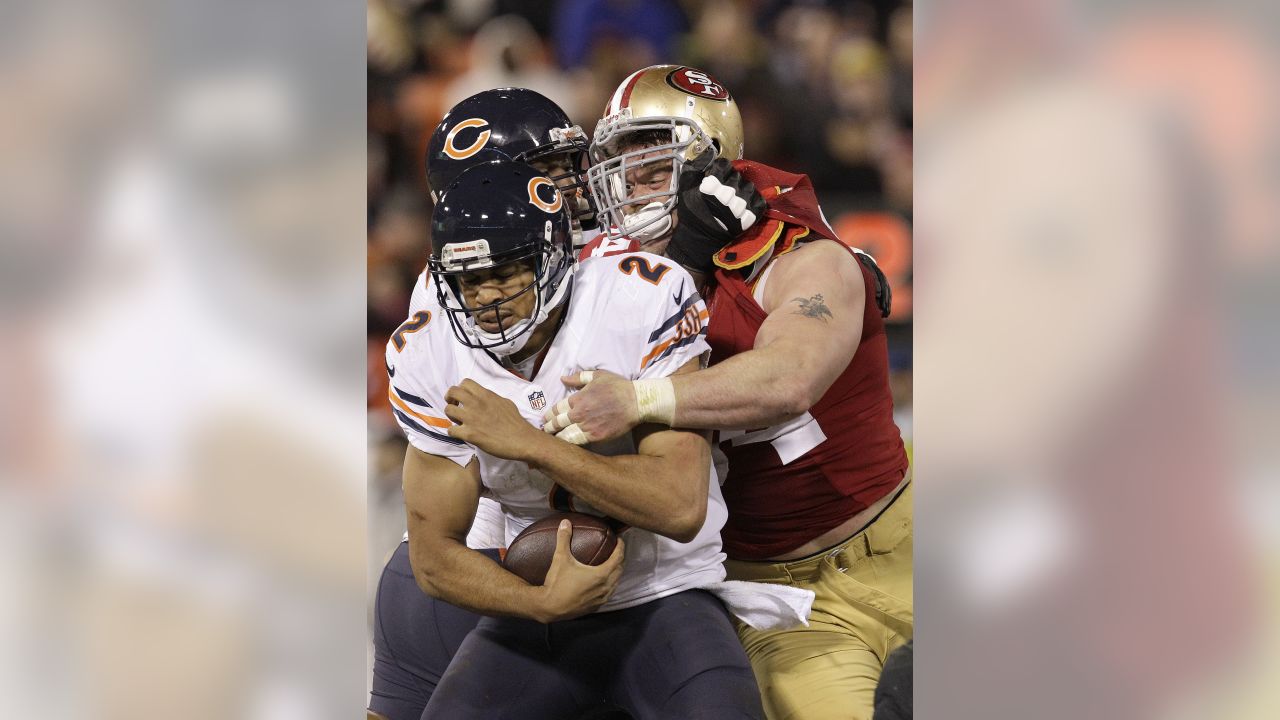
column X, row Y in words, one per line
column 716, row 205
column 604, row 408
column 489, row 421
column 573, row 589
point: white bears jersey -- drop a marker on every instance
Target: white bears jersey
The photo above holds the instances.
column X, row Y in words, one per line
column 424, row 295
column 489, row 528
column 636, row 315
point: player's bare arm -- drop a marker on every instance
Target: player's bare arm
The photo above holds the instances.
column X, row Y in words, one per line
column 662, row 488
column 815, row 300
column 440, row 500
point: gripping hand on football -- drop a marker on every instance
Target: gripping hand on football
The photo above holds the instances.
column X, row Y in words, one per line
column 716, row 205
column 606, row 406
column 573, row 589
column 489, row 421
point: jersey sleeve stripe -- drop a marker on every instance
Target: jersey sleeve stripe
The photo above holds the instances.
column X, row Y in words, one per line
column 677, row 345
column 409, row 423
column 408, row 397
column 662, row 349
column 400, row 405
column 675, row 317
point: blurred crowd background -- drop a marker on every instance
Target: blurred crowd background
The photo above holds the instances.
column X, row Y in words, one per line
column 184, row 331
column 824, row 89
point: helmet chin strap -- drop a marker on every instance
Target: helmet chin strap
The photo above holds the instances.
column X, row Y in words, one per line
column 649, row 223
column 521, row 332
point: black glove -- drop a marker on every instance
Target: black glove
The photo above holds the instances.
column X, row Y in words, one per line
column 716, row 205
column 884, row 295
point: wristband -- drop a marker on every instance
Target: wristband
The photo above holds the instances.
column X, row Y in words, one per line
column 656, row 400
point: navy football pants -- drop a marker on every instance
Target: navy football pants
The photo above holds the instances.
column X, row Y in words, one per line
column 677, row 657
column 414, row 638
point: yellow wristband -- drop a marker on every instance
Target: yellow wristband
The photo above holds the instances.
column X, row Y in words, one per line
column 656, row 399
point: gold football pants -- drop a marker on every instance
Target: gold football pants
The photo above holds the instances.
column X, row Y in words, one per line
column 862, row 611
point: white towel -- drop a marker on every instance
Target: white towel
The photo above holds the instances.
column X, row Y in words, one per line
column 764, row 606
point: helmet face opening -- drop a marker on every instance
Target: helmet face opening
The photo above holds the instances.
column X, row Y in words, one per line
column 627, row 151
column 466, row 319
column 680, row 112
column 498, row 219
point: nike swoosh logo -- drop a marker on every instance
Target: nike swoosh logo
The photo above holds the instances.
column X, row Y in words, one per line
column 676, row 298
column 391, row 372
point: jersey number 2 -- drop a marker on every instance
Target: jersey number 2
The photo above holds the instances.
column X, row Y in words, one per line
column 413, row 324
column 634, row 263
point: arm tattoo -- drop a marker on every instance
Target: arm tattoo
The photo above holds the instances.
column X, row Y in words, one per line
column 813, row 307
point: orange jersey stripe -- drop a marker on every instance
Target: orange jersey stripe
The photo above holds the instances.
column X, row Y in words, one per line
column 657, row 350
column 433, row 421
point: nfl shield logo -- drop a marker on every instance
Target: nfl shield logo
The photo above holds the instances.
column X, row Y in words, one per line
column 537, row 400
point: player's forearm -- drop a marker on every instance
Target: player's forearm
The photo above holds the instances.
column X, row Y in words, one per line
column 652, row 493
column 754, row 389
column 452, row 572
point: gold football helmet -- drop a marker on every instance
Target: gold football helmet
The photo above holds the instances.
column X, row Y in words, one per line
column 658, row 119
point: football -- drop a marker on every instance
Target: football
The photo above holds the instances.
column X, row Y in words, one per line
column 529, row 555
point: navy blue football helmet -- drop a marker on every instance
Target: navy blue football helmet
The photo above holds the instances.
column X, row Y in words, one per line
column 493, row 214
column 512, row 124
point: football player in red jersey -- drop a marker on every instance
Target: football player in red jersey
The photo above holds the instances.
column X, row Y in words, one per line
column 798, row 383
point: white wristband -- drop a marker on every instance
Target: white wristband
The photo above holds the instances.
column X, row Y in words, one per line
column 656, row 399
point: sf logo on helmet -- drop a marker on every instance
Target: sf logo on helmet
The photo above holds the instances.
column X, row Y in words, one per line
column 457, row 153
column 697, row 83
column 543, row 194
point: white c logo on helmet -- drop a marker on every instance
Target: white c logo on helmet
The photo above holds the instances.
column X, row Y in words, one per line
column 460, row 153
column 536, row 195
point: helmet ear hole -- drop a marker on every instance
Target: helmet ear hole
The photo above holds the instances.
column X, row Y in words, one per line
column 716, row 144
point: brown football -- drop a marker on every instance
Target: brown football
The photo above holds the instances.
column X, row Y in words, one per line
column 529, row 555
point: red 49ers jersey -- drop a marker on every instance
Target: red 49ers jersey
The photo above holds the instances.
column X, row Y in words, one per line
column 789, row 483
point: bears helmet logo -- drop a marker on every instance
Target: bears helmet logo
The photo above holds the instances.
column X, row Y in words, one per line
column 538, row 187
column 457, row 153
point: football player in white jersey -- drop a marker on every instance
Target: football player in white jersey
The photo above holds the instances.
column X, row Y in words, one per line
column 416, row 635
column 469, row 382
